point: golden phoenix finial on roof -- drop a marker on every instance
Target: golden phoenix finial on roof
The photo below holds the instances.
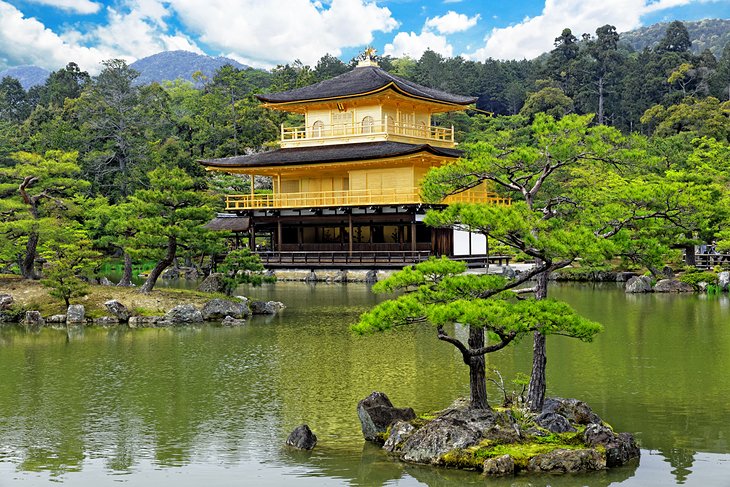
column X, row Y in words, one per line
column 370, row 52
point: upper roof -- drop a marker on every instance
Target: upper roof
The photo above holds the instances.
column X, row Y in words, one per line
column 361, row 81
column 329, row 153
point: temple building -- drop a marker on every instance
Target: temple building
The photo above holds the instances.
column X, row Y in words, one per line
column 346, row 183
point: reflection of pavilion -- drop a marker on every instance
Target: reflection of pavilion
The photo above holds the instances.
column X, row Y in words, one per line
column 346, row 183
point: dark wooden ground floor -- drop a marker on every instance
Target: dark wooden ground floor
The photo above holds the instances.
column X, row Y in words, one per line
column 367, row 237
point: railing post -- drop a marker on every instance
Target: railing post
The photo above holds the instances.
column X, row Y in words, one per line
column 282, row 132
column 452, row 133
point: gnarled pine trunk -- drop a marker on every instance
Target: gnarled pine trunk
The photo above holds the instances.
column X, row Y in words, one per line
column 538, row 381
column 161, row 266
column 126, row 280
column 477, row 370
column 26, row 265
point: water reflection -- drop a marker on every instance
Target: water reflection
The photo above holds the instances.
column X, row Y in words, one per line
column 212, row 404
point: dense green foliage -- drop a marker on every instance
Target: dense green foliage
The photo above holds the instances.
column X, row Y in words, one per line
column 240, row 266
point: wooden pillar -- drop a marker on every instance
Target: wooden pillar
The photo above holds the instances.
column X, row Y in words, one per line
column 413, row 236
column 252, row 237
column 349, row 232
column 300, row 237
column 279, row 238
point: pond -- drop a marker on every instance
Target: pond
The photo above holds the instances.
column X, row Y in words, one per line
column 214, row 405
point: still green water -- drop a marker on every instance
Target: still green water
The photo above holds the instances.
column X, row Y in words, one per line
column 210, row 405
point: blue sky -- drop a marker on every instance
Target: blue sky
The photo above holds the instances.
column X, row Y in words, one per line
column 264, row 33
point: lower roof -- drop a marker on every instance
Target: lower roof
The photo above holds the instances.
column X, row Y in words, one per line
column 330, row 153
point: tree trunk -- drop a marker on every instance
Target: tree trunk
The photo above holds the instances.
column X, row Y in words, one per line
column 26, row 267
column 600, row 100
column 127, row 274
column 538, row 381
column 161, row 266
column 477, row 370
column 689, row 255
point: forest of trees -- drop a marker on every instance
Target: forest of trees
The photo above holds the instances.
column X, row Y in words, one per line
column 84, row 149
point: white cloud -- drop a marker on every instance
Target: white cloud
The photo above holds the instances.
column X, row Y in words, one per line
column 27, row 41
column 137, row 31
column 451, row 22
column 432, row 36
column 278, row 31
column 535, row 35
column 76, row 6
column 413, row 45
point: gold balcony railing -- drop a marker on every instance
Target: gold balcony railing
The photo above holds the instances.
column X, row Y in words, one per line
column 387, row 126
column 401, row 196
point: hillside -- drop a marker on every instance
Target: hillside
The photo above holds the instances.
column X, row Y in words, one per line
column 712, row 34
column 28, row 76
column 171, row 65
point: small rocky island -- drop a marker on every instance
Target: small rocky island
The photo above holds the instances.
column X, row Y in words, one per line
column 567, row 436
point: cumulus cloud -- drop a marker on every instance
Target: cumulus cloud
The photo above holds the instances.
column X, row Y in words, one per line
column 277, row 31
column 432, row 36
column 136, row 31
column 413, row 45
column 262, row 33
column 534, row 35
column 451, row 22
column 27, row 41
column 76, row 6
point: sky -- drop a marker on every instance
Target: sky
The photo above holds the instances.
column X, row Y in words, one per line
column 265, row 33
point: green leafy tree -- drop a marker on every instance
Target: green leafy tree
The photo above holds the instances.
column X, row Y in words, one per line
column 438, row 292
column 116, row 125
column 66, row 83
column 70, row 263
column 37, row 198
column 170, row 216
column 240, row 266
column 550, row 100
column 570, row 201
column 113, row 228
column 14, row 106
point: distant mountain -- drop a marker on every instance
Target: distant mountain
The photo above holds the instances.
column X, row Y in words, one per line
column 712, row 34
column 171, row 65
column 27, row 75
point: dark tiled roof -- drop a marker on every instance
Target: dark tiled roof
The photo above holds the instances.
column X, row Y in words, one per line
column 330, row 153
column 361, row 80
column 231, row 223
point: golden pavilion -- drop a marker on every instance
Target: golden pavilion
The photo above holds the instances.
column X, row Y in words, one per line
column 346, row 183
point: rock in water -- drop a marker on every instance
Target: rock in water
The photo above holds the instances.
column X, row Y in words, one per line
column 638, row 284
column 33, row 320
column 214, row 283
column 184, row 313
column 302, row 438
column 228, row 321
column 673, row 286
column 399, row 432
column 266, row 307
column 76, row 314
column 458, row 428
column 619, row 448
column 371, row 277
column 217, row 309
column 723, row 279
column 376, row 413
column 498, row 466
column 117, row 309
column 567, row 461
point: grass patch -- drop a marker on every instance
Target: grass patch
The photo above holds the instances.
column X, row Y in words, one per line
column 473, row 458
